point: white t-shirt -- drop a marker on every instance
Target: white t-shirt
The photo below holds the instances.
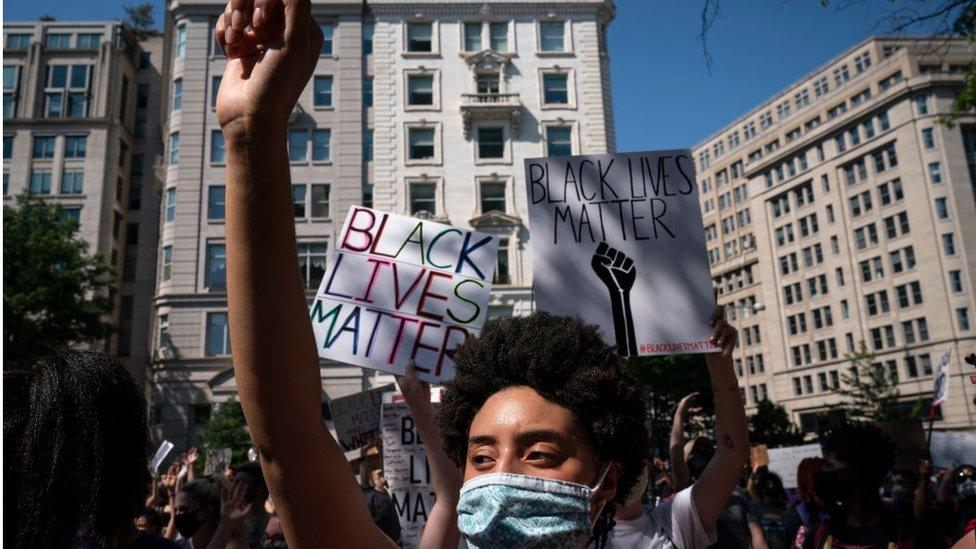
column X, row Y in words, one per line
column 672, row 525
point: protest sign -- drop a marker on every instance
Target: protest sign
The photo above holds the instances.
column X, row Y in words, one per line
column 617, row 240
column 400, row 289
column 952, row 448
column 161, row 453
column 217, row 460
column 758, row 456
column 406, row 469
column 784, row 461
column 357, row 417
column 940, row 390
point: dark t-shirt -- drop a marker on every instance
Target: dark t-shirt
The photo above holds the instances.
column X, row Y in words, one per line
column 383, row 512
column 772, row 520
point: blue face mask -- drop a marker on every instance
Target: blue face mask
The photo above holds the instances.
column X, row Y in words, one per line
column 518, row 511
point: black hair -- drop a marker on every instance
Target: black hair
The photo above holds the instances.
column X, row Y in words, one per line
column 250, row 468
column 868, row 452
column 154, row 520
column 768, row 486
column 567, row 363
column 75, row 451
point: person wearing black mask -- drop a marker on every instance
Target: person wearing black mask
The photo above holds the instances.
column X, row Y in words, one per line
column 961, row 487
column 857, row 456
column 198, row 514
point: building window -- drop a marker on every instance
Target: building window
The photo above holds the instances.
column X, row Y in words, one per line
column 367, row 195
column 555, row 89
column 368, row 146
column 928, row 138
column 72, row 182
column 328, row 33
column 323, row 91
column 321, row 145
column 962, row 319
column 491, row 143
column 72, row 214
column 949, row 244
column 420, row 89
column 559, row 141
column 215, row 202
column 955, row 281
column 218, row 335
column 44, row 146
column 11, row 82
column 368, row 29
column 472, row 37
column 298, row 145
column 167, row 263
column 367, row 91
column 177, row 94
column 87, row 41
column 40, row 182
column 423, row 198
column 492, row 196
column 311, row 263
column 18, row 41
column 171, row 204
column 8, row 146
column 498, row 33
column 75, row 146
column 214, row 90
column 57, row 41
column 298, row 201
column 217, row 150
column 552, row 36
column 216, row 268
column 488, row 83
column 941, row 208
column 320, row 201
column 501, row 263
column 935, row 173
column 420, row 37
column 174, row 148
column 180, row 41
column 922, row 104
column 421, row 141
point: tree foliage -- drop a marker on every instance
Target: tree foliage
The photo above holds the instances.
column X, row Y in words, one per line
column 771, row 425
column 54, row 291
column 666, row 380
column 140, row 20
column 227, row 428
column 871, row 390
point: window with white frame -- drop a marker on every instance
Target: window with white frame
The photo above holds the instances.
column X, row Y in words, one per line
column 502, row 275
column 321, row 145
column 491, row 143
column 311, row 263
column 167, row 263
column 11, row 85
column 215, row 202
column 298, row 198
column 328, row 33
column 89, row 41
column 66, row 91
column 552, row 36
column 217, row 150
column 170, row 207
column 492, row 196
column 420, row 37
column 420, row 90
column 215, row 270
column 320, row 201
column 559, row 140
column 322, row 92
column 555, row 88
column 498, row 36
column 40, row 182
column 174, row 148
column 472, row 37
column 181, row 42
column 72, row 181
column 421, row 143
column 57, row 41
column 177, row 94
column 488, row 82
column 423, row 197
column 217, row 335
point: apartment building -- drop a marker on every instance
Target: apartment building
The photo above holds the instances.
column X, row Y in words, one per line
column 80, row 128
column 841, row 211
column 420, row 108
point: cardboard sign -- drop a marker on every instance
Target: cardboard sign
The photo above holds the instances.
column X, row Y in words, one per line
column 406, row 469
column 617, row 240
column 952, row 448
column 217, row 460
column 357, row 417
column 758, row 456
column 161, row 453
column 400, row 289
column 784, row 461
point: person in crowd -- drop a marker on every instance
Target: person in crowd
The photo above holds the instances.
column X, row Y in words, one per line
column 150, row 522
column 383, row 512
column 857, row 456
column 256, row 492
column 957, row 501
column 210, row 513
column 541, row 413
column 663, row 486
column 274, row 536
column 767, row 510
column 75, row 454
column 803, row 515
column 632, row 519
column 378, row 479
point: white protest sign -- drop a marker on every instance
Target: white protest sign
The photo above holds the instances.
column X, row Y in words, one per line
column 406, row 469
column 400, row 289
column 217, row 460
column 164, row 449
column 784, row 461
column 941, row 382
column 950, row 449
column 357, row 417
column 617, row 240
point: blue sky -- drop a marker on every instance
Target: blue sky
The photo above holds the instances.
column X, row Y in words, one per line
column 664, row 96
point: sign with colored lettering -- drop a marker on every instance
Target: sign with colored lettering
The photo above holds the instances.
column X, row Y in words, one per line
column 357, row 417
column 399, row 289
column 617, row 240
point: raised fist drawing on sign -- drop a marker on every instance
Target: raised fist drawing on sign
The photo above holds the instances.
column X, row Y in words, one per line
column 617, row 272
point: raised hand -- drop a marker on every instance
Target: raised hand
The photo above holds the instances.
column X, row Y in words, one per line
column 272, row 47
column 617, row 272
column 412, row 388
column 234, row 506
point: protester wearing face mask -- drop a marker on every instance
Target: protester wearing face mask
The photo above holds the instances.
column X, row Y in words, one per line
column 541, row 414
column 249, row 476
column 199, row 513
column 803, row 516
column 857, row 456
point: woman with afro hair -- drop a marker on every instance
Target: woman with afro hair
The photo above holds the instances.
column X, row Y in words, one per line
column 541, row 417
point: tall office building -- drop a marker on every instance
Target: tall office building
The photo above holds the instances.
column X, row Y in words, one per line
column 841, row 211
column 423, row 108
column 80, row 128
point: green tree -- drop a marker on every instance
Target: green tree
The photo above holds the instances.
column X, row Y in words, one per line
column 46, row 17
column 664, row 382
column 871, row 391
column 227, row 428
column 54, row 291
column 140, row 20
column 771, row 425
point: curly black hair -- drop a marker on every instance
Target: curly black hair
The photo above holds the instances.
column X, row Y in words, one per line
column 568, row 363
column 869, row 453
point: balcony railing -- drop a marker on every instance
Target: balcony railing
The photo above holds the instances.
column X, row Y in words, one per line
column 490, row 99
column 489, row 106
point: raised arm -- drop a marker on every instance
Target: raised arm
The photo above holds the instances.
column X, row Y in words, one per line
column 441, row 528
column 679, row 467
column 274, row 355
column 712, row 490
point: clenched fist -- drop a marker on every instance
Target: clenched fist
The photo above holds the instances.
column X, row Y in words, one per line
column 272, row 47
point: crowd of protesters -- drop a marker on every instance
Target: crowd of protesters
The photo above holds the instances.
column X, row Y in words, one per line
column 539, row 441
